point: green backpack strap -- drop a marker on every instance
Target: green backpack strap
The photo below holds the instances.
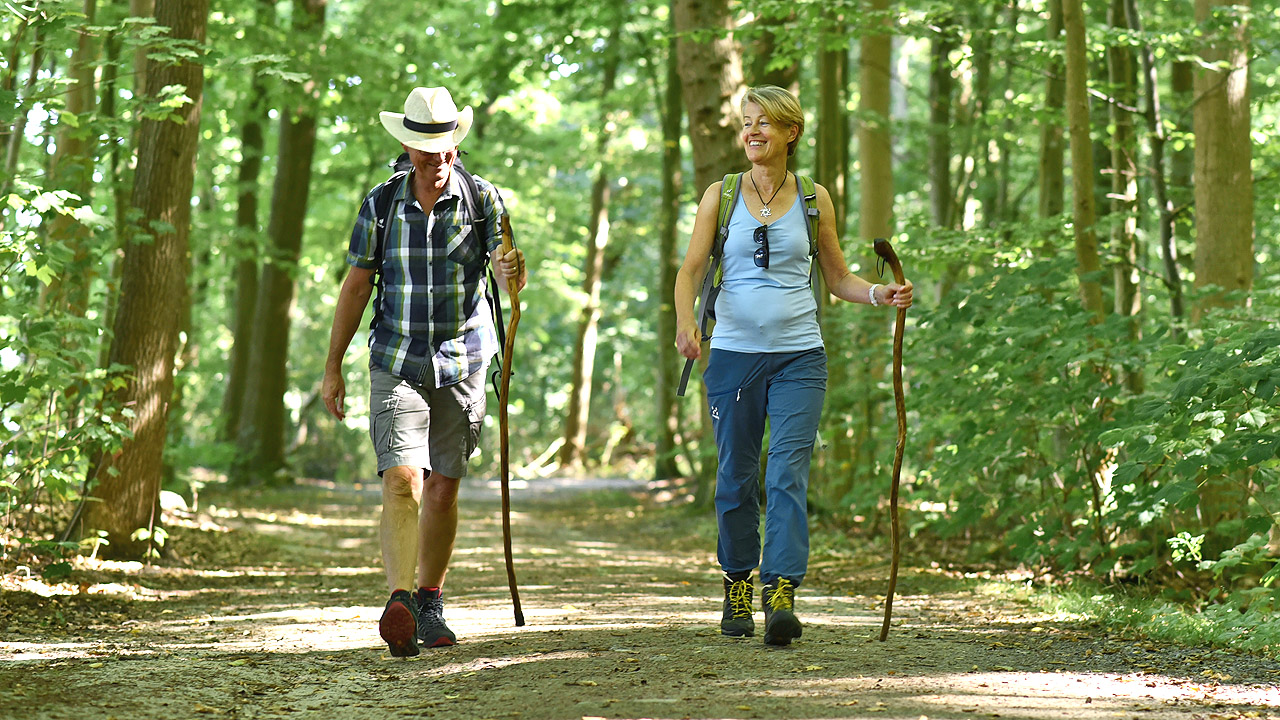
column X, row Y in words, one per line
column 729, row 189
column 810, row 192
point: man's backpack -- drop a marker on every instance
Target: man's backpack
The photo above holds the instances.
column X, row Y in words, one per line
column 384, row 194
column 711, row 282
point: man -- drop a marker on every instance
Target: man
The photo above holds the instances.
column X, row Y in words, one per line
column 431, row 341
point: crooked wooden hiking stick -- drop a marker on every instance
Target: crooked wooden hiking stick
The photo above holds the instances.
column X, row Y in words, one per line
column 889, row 257
column 504, row 383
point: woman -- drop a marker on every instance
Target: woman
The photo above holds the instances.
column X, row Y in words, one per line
column 767, row 360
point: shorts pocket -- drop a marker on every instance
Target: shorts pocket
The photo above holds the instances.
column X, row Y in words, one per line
column 381, row 430
column 475, row 423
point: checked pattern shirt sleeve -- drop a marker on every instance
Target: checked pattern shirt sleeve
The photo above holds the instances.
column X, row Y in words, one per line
column 436, row 325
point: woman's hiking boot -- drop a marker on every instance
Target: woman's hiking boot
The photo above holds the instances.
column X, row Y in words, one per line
column 781, row 625
column 737, row 620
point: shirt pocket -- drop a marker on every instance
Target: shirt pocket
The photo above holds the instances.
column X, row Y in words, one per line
column 462, row 245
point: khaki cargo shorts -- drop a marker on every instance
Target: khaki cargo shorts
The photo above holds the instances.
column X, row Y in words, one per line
column 435, row 429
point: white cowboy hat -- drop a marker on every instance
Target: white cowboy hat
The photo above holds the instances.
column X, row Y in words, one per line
column 430, row 121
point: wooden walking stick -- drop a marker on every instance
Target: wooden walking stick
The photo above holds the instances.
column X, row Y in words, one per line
column 889, row 257
column 504, row 382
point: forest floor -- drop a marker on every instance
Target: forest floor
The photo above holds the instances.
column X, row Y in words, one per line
column 270, row 610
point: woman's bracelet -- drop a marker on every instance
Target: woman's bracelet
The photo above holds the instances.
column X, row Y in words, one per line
column 871, row 295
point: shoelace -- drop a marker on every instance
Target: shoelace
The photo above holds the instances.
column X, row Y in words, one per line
column 432, row 612
column 740, row 598
column 781, row 597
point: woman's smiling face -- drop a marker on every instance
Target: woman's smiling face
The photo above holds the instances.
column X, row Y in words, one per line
column 762, row 138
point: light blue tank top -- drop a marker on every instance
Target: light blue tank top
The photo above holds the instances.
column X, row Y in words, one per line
column 766, row 310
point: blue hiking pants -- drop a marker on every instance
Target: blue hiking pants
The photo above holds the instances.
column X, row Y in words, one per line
column 744, row 390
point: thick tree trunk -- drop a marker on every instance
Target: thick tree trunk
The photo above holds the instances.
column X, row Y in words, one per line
column 669, row 361
column 261, row 436
column 711, row 79
column 1224, row 212
column 127, row 484
column 1088, row 264
column 1223, row 170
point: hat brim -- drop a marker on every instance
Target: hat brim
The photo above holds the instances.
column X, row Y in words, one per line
column 427, row 142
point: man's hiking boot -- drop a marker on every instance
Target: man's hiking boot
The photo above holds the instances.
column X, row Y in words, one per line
column 737, row 620
column 781, row 625
column 399, row 624
column 432, row 632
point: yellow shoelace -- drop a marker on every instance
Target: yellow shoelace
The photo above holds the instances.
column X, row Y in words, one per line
column 781, row 597
column 740, row 598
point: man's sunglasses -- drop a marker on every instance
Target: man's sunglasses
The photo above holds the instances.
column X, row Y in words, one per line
column 761, row 256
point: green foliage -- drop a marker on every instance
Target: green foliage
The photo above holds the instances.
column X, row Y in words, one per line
column 1025, row 430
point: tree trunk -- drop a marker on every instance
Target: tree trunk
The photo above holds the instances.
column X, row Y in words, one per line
column 72, row 171
column 669, row 361
column 1223, row 172
column 154, row 274
column 711, row 79
column 246, row 242
column 1124, row 185
column 941, row 85
column 786, row 76
column 875, row 153
column 1159, row 186
column 261, row 436
column 1224, row 211
column 1052, row 191
column 1088, row 264
column 832, row 468
column 579, row 411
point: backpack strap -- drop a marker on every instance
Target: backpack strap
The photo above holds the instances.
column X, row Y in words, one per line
column 471, row 196
column 383, row 199
column 730, row 187
column 809, row 190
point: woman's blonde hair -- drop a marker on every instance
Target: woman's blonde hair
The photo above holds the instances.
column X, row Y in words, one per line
column 781, row 106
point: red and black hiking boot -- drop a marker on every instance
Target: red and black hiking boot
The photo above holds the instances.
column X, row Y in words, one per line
column 399, row 624
column 432, row 632
column 781, row 625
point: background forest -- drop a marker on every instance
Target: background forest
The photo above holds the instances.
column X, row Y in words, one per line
column 1084, row 194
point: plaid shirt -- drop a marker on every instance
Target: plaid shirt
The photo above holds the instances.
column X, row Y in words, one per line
column 436, row 323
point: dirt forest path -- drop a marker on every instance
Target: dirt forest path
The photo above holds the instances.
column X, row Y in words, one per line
column 272, row 612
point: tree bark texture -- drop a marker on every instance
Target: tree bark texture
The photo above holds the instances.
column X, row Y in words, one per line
column 711, row 77
column 1223, row 162
column 154, row 283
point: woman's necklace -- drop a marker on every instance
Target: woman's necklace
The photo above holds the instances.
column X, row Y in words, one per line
column 764, row 211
